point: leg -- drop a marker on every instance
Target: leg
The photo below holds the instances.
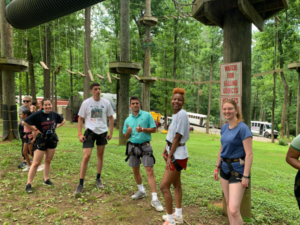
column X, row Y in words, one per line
column 25, row 153
column 100, row 156
column 178, row 191
column 38, row 156
column 225, row 188
column 48, row 157
column 236, row 193
column 169, row 178
column 151, row 178
column 85, row 160
column 137, row 175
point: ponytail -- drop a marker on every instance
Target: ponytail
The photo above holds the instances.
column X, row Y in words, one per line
column 239, row 115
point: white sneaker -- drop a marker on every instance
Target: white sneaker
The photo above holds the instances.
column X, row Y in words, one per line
column 40, row 168
column 139, row 194
column 178, row 220
column 156, row 204
column 26, row 169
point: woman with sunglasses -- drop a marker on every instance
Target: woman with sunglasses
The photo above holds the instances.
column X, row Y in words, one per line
column 45, row 122
column 26, row 105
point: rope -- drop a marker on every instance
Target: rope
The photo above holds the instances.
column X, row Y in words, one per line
column 54, row 44
column 41, row 43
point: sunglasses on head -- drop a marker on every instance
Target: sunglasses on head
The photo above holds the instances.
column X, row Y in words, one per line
column 26, row 100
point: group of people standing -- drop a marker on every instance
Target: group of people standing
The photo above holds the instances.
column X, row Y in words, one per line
column 234, row 159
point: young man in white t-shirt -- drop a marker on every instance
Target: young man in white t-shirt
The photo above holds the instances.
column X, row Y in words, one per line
column 95, row 110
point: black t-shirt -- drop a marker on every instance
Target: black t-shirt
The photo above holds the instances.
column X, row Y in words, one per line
column 45, row 123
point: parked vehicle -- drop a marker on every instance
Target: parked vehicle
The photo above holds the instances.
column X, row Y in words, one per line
column 162, row 120
column 262, row 128
column 196, row 119
column 211, row 125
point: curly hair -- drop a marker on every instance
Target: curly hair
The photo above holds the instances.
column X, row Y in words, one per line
column 180, row 91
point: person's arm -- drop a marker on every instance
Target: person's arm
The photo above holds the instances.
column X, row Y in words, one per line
column 60, row 124
column 218, row 165
column 31, row 127
column 175, row 144
column 146, row 130
column 111, row 127
column 247, row 143
column 79, row 127
column 292, row 158
column 128, row 132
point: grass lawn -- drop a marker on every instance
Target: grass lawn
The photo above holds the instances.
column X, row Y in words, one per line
column 273, row 201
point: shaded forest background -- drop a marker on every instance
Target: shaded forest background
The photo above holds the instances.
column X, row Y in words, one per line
column 181, row 48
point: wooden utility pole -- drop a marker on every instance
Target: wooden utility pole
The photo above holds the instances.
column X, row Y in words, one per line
column 148, row 21
column 71, row 83
column 124, row 78
column 8, row 78
column 87, row 53
column 31, row 73
column 20, row 89
column 47, row 46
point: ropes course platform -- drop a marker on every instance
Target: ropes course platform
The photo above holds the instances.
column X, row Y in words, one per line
column 13, row 64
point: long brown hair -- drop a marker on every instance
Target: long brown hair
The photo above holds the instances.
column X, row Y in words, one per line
column 239, row 115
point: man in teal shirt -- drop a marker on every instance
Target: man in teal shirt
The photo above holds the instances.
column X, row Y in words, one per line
column 138, row 128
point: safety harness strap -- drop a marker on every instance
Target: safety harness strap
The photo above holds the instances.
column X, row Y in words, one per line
column 140, row 148
column 232, row 171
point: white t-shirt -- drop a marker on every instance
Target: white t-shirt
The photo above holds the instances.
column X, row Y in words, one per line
column 180, row 124
column 95, row 114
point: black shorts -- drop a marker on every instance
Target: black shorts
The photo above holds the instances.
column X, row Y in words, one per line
column 91, row 137
column 43, row 144
column 232, row 179
column 297, row 188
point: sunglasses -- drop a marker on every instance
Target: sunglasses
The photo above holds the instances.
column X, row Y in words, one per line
column 26, row 101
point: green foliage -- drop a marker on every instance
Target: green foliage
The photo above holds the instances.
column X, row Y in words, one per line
column 282, row 142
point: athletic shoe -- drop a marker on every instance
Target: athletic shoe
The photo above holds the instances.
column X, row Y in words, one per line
column 168, row 223
column 99, row 184
column 178, row 220
column 156, row 204
column 22, row 165
column 138, row 195
column 26, row 169
column 78, row 190
column 48, row 183
column 40, row 168
column 28, row 188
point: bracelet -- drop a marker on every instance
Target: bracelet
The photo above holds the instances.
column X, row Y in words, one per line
column 80, row 134
column 247, row 177
column 216, row 170
column 164, row 154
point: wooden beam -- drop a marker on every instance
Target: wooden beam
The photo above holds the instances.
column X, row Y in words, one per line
column 267, row 72
column 248, row 10
column 108, row 77
column 99, row 76
column 197, row 7
column 136, row 77
column 81, row 74
column 117, row 78
column 271, row 6
column 70, row 72
column 213, row 15
column 277, row 19
column 91, row 75
column 181, row 16
column 166, row 17
column 174, row 17
column 44, row 65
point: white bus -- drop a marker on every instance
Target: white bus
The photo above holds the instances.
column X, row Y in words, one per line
column 262, row 128
column 162, row 120
column 197, row 119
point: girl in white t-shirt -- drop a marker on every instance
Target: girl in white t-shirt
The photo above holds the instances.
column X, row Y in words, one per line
column 176, row 156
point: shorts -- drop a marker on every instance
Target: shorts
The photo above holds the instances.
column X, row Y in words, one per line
column 297, row 188
column 45, row 143
column 178, row 164
column 90, row 137
column 28, row 140
column 147, row 160
column 230, row 178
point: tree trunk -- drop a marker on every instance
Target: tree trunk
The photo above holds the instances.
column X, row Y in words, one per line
column 288, row 116
column 175, row 50
column 20, row 89
column 209, row 95
column 273, row 106
column 8, row 79
column 198, row 91
column 286, row 91
column 27, row 83
column 125, row 56
column 47, row 48
column 87, row 53
column 1, row 94
column 71, row 83
column 31, row 72
column 298, row 106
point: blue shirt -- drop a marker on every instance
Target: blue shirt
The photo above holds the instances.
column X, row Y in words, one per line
column 232, row 145
column 144, row 119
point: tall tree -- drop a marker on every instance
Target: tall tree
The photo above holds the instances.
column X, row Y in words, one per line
column 87, row 52
column 47, row 50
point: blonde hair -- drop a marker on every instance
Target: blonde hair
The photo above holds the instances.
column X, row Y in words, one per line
column 239, row 115
column 180, row 91
column 28, row 97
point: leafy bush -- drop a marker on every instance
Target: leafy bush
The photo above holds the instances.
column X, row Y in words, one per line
column 283, row 142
